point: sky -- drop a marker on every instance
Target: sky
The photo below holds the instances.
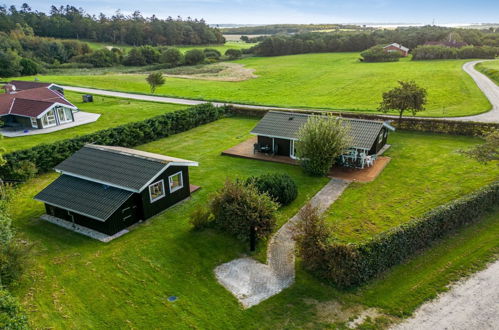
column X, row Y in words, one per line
column 296, row 11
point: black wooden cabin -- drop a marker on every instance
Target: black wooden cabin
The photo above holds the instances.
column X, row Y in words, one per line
column 278, row 131
column 108, row 189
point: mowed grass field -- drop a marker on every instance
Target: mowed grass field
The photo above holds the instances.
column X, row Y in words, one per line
column 114, row 112
column 329, row 81
column 76, row 282
column 425, row 171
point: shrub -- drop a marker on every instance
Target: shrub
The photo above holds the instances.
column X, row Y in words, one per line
column 201, row 218
column 312, row 234
column 378, row 54
column 320, row 141
column 212, row 53
column 172, row 56
column 29, row 67
column 5, row 229
column 194, row 56
column 46, row 156
column 237, row 207
column 233, row 54
column 22, row 170
column 100, row 58
column 13, row 259
column 280, row 187
column 12, row 315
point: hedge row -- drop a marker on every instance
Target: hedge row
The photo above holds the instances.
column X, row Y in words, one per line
column 44, row 157
column 353, row 264
column 454, row 127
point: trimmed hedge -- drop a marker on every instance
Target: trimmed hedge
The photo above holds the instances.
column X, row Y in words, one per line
column 46, row 156
column 455, row 127
column 353, row 264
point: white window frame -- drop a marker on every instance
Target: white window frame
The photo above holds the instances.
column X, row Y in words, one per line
column 177, row 187
column 162, row 183
column 34, row 122
column 46, row 116
column 64, row 118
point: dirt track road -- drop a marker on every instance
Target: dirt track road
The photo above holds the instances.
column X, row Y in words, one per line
column 488, row 87
column 470, row 304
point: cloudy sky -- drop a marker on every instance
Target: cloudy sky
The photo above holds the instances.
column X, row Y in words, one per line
column 297, row 11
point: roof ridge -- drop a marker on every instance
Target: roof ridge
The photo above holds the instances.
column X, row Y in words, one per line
column 122, row 152
column 339, row 116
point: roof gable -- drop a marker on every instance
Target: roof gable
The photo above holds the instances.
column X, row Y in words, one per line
column 363, row 133
column 31, row 102
column 119, row 168
column 24, row 85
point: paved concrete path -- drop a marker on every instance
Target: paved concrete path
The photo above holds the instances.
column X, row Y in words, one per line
column 470, row 304
column 251, row 281
column 488, row 87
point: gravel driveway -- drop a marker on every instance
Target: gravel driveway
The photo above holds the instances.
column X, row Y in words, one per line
column 470, row 304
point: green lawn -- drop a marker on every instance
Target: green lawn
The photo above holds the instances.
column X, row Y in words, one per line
column 489, row 68
column 76, row 282
column 114, row 112
column 329, row 81
column 426, row 170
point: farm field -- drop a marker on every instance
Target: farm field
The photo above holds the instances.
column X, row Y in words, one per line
column 490, row 69
column 114, row 112
column 426, row 171
column 76, row 282
column 329, row 81
column 221, row 48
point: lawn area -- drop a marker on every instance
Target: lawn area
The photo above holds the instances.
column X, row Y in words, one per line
column 114, row 112
column 490, row 69
column 76, row 282
column 330, row 81
column 426, row 170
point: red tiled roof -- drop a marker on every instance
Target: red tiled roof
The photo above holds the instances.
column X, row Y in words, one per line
column 24, row 85
column 30, row 102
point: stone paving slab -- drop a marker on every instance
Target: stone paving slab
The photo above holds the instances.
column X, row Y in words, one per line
column 252, row 282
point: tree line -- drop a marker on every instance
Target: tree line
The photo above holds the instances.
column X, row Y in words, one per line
column 22, row 53
column 135, row 29
column 290, row 28
column 355, row 41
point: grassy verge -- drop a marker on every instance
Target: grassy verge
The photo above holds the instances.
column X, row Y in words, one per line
column 490, row 69
column 426, row 170
column 114, row 112
column 76, row 282
column 336, row 81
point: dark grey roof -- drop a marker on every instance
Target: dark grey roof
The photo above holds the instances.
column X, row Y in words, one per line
column 84, row 197
column 286, row 125
column 111, row 167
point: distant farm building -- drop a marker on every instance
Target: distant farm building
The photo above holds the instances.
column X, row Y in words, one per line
column 404, row 51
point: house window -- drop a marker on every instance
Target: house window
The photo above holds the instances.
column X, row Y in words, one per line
column 64, row 115
column 157, row 191
column 176, row 182
column 34, row 124
column 49, row 119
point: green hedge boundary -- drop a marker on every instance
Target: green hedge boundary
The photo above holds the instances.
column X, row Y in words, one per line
column 352, row 264
column 46, row 156
column 454, row 127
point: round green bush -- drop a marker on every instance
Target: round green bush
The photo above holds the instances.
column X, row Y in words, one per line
column 280, row 187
